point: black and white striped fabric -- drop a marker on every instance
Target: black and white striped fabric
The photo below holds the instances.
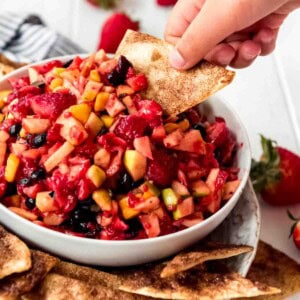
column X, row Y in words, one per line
column 25, row 38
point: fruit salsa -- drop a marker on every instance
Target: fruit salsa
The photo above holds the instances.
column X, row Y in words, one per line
column 82, row 152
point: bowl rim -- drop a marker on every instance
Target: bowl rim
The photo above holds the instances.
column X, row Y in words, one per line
column 144, row 241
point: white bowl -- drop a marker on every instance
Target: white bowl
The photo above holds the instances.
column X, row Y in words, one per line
column 132, row 252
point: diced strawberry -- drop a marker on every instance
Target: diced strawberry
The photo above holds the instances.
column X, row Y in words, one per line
column 53, row 134
column 51, row 105
column 162, row 169
column 166, row 2
column 75, row 63
column 3, row 183
column 217, row 133
column 151, row 111
column 130, row 127
column 111, row 142
column 138, row 82
column 158, row 133
column 45, row 68
column 18, row 83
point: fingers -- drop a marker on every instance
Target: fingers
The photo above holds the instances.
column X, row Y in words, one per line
column 247, row 52
column 184, row 12
column 213, row 24
column 267, row 39
column 222, row 54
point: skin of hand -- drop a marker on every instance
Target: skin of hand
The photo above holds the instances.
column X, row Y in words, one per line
column 226, row 32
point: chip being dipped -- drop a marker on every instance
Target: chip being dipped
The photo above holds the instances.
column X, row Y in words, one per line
column 176, row 91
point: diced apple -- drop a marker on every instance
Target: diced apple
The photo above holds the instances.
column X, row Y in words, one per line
column 179, row 188
column 192, row 142
column 114, row 106
column 149, row 188
column 3, row 147
column 170, row 199
column 148, row 205
column 135, row 163
column 58, row 156
column 96, row 175
column 158, row 133
column 81, row 112
column 200, row 188
column 101, row 101
column 185, row 208
column 13, row 200
column 45, row 203
column 212, row 177
column 150, row 223
column 127, row 212
column 195, row 219
column 93, row 124
column 91, row 90
column 34, row 75
column 11, row 168
column 143, row 145
column 229, row 189
column 35, row 126
column 173, row 139
column 72, row 130
column 129, row 105
column 102, row 158
column 4, row 136
column 16, row 148
column 103, row 199
column 53, row 219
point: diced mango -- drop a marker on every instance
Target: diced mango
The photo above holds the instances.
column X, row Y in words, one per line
column 3, row 147
column 103, row 199
column 35, row 126
column 91, row 90
column 45, row 202
column 101, row 100
column 96, row 175
column 1, row 117
column 55, row 83
column 3, row 97
column 11, row 167
column 24, row 213
column 107, row 120
column 102, row 158
column 4, row 136
column 81, row 112
column 184, row 125
column 58, row 71
column 22, row 133
column 127, row 212
column 93, row 124
column 170, row 127
column 94, row 75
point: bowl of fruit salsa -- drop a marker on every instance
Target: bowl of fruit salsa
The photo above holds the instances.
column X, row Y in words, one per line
column 92, row 171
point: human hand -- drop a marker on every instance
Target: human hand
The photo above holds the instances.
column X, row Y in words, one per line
column 226, row 32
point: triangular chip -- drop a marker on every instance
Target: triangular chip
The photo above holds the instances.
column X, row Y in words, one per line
column 197, row 255
column 59, row 287
column 194, row 284
column 276, row 269
column 18, row 284
column 15, row 256
column 94, row 277
column 176, row 91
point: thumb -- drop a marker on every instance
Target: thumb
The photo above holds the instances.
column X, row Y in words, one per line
column 216, row 21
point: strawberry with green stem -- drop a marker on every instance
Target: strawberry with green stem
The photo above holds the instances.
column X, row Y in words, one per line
column 276, row 175
column 106, row 4
column 295, row 229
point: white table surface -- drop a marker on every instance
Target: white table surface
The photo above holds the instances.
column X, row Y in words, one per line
column 265, row 95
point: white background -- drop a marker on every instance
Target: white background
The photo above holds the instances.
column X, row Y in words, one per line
column 265, row 95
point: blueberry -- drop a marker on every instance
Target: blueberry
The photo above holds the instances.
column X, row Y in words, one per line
column 124, row 183
column 201, row 128
column 68, row 63
column 24, row 181
column 102, row 131
column 39, row 140
column 82, row 227
column 81, row 215
column 40, row 84
column 52, row 194
column 118, row 75
column 14, row 130
column 38, row 174
column 30, row 203
column 85, row 203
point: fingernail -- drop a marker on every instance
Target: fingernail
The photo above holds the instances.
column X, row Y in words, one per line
column 176, row 60
column 251, row 54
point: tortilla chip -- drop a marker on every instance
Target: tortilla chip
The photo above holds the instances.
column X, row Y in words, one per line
column 277, row 269
column 176, row 91
column 194, row 284
column 59, row 287
column 92, row 276
column 18, row 284
column 197, row 255
column 15, row 255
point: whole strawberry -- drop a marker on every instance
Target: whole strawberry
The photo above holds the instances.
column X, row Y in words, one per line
column 106, row 4
column 113, row 31
column 295, row 230
column 276, row 175
column 166, row 2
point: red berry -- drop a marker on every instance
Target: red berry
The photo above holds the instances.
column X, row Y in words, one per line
column 296, row 235
column 45, row 68
column 138, row 82
column 113, row 31
column 166, row 2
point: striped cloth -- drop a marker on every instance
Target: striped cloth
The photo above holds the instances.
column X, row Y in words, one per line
column 25, row 38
